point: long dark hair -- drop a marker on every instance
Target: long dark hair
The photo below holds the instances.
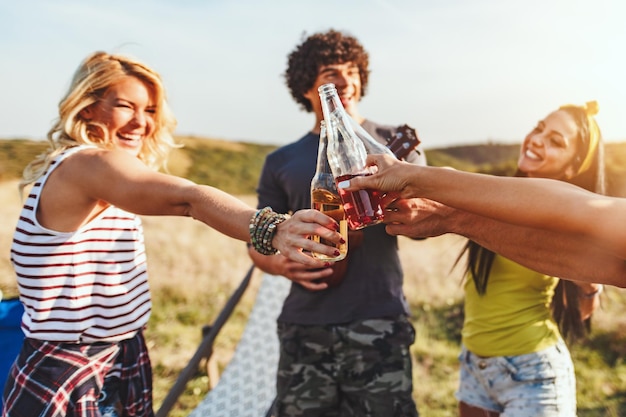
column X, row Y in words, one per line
column 564, row 306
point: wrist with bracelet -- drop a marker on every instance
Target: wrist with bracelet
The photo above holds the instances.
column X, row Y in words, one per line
column 263, row 228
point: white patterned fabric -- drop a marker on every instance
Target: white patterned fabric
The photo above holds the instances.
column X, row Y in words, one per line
column 247, row 386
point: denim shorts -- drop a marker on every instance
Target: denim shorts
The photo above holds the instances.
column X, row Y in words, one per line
column 540, row 384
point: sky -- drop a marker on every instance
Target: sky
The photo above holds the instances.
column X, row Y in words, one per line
column 459, row 71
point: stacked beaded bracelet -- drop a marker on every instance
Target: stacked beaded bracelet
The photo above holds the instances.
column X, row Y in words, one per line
column 263, row 228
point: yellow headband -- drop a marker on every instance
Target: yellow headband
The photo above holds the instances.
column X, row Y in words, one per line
column 591, row 109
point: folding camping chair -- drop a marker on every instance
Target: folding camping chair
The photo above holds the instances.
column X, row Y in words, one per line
column 246, row 387
column 11, row 336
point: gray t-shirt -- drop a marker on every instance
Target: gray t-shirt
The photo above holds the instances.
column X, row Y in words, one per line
column 372, row 287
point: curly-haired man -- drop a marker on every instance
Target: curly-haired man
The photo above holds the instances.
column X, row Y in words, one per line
column 344, row 330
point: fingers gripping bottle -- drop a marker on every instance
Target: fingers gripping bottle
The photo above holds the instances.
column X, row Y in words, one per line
column 325, row 198
column 346, row 156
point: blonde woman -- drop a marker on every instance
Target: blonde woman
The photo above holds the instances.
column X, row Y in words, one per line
column 78, row 248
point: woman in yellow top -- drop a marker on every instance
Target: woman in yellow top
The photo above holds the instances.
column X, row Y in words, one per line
column 518, row 365
column 514, row 361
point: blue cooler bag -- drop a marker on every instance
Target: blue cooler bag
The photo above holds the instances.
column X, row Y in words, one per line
column 11, row 336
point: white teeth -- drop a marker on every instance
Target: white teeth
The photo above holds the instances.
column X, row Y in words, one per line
column 531, row 155
column 129, row 136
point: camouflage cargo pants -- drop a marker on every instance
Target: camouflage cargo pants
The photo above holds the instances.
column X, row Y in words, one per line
column 361, row 368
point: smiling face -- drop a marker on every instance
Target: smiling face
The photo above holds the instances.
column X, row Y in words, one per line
column 126, row 110
column 347, row 80
column 550, row 149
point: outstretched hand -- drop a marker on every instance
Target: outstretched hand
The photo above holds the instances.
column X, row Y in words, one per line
column 390, row 176
column 419, row 218
column 292, row 237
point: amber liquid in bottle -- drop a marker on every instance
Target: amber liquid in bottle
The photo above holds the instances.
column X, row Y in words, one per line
column 330, row 204
column 362, row 207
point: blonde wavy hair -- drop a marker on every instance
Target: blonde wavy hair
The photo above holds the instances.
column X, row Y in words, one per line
column 94, row 76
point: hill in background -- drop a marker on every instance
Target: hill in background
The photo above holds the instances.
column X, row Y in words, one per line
column 235, row 166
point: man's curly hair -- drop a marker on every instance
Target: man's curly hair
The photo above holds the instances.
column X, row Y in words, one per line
column 324, row 48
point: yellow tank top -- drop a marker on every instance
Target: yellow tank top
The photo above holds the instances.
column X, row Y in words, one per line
column 513, row 317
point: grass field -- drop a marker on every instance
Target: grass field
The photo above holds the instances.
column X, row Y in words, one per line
column 193, row 271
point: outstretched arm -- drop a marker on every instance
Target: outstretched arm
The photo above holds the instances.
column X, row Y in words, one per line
column 553, row 253
column 89, row 180
column 537, row 203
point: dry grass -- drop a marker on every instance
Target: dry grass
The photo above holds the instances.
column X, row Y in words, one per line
column 9, row 210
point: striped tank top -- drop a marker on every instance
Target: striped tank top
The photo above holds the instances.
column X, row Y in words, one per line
column 85, row 286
